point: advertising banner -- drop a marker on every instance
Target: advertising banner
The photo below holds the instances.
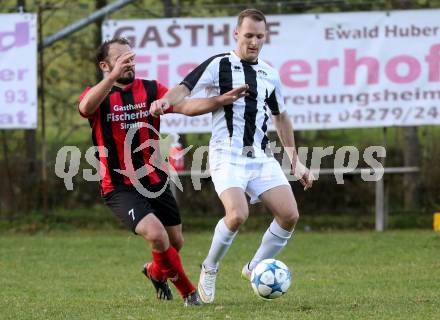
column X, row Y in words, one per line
column 338, row 70
column 18, row 71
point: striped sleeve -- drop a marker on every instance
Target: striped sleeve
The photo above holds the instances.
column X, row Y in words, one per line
column 203, row 76
column 276, row 100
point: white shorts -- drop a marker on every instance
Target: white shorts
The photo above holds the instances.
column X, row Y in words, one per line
column 229, row 168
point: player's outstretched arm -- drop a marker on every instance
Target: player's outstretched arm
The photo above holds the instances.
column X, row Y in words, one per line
column 173, row 97
column 93, row 98
column 284, row 128
column 195, row 107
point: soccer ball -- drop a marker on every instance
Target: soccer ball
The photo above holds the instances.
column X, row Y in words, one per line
column 270, row 279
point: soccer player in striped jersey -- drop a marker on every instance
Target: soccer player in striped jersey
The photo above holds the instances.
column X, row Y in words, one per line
column 118, row 107
column 238, row 159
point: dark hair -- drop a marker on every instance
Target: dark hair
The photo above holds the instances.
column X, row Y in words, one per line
column 254, row 14
column 102, row 53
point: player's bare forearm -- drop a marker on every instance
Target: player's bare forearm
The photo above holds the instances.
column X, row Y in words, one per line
column 95, row 96
column 285, row 131
column 97, row 93
column 195, row 107
column 177, row 94
column 174, row 96
column 284, row 127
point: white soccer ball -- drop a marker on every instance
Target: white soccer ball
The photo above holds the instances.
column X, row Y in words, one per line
column 270, row 279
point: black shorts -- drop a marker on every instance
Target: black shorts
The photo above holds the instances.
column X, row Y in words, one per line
column 131, row 207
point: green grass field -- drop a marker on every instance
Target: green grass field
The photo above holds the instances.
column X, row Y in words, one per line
column 340, row 275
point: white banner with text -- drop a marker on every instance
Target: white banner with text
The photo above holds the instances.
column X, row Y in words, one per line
column 18, row 71
column 338, row 70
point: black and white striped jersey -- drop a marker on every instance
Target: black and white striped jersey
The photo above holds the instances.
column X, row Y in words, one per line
column 244, row 122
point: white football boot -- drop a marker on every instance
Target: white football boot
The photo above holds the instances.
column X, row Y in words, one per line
column 246, row 272
column 206, row 287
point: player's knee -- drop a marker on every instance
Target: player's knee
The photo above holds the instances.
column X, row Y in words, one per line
column 157, row 238
column 237, row 217
column 292, row 217
column 295, row 218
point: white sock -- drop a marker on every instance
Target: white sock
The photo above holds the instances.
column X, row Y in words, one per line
column 274, row 239
column 221, row 241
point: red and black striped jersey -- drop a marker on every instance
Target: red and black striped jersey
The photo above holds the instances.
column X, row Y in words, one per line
column 127, row 111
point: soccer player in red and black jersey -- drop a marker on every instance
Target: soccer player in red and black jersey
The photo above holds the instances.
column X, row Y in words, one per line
column 118, row 107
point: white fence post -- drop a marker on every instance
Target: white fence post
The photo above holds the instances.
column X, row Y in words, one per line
column 380, row 212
